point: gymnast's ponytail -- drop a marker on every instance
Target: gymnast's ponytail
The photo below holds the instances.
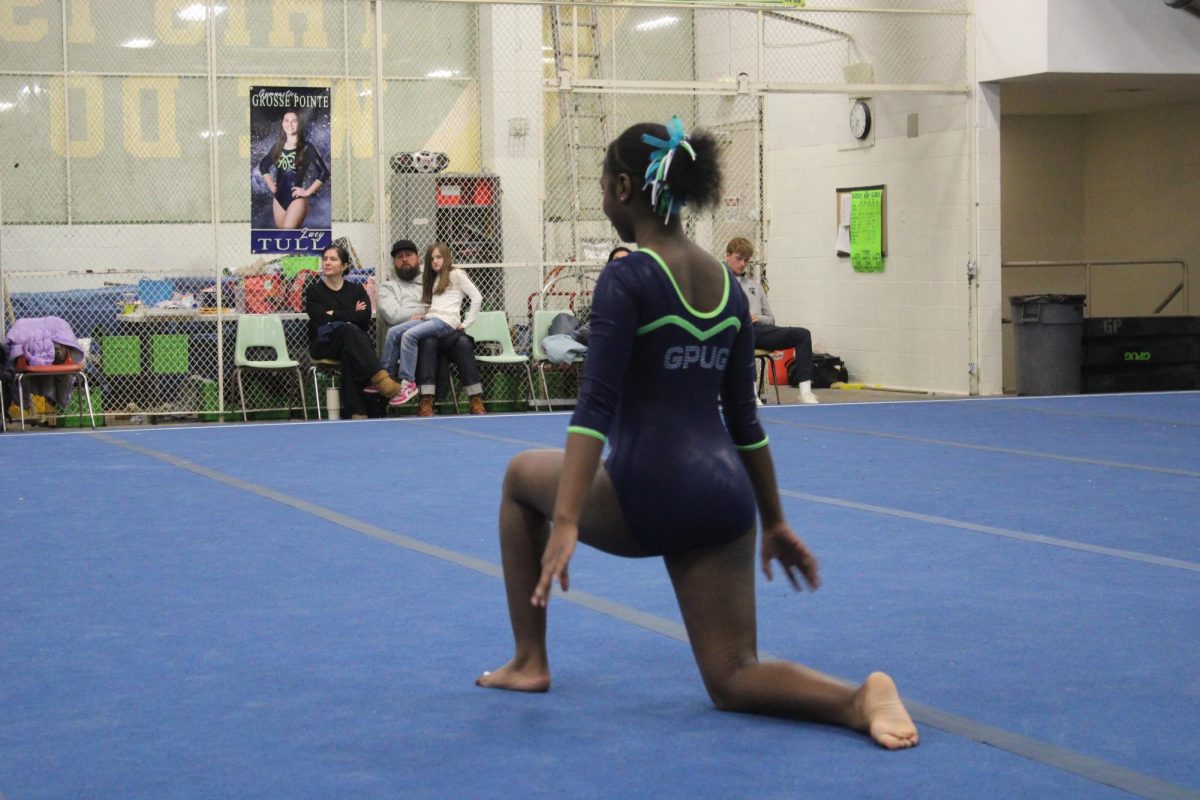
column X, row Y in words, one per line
column 677, row 168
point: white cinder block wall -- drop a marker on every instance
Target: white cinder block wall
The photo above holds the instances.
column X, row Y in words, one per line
column 909, row 326
column 906, row 327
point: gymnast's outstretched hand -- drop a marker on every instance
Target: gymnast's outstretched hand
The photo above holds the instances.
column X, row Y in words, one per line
column 780, row 542
column 555, row 558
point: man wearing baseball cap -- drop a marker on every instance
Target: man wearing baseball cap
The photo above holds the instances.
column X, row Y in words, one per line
column 400, row 301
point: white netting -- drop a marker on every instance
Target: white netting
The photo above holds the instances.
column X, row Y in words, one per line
column 125, row 201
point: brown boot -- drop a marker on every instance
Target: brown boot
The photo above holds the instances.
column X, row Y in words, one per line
column 384, row 383
column 426, row 407
column 476, row 404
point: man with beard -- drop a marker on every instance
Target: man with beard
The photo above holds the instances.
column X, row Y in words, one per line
column 400, row 301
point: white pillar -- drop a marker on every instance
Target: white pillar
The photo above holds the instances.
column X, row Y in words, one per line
column 510, row 70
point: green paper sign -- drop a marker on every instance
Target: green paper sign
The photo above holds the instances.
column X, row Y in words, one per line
column 866, row 229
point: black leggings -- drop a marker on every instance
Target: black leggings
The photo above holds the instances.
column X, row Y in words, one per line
column 773, row 337
column 356, row 351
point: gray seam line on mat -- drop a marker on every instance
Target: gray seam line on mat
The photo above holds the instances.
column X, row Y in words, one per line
column 1187, row 473
column 1057, row 412
column 1092, row 769
column 1129, row 555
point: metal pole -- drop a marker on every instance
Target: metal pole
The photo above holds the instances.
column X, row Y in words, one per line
column 214, row 202
column 381, row 247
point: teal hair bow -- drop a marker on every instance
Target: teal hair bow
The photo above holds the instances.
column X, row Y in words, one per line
column 661, row 198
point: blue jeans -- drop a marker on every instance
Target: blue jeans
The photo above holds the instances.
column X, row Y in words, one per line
column 402, row 339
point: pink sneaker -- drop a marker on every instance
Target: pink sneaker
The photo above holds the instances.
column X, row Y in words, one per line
column 368, row 389
column 408, row 390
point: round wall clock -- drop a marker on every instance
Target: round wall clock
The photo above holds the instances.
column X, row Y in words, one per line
column 860, row 119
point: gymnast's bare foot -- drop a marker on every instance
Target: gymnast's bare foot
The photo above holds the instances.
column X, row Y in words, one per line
column 515, row 679
column 882, row 714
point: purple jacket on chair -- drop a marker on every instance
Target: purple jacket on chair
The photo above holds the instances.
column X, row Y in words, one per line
column 35, row 337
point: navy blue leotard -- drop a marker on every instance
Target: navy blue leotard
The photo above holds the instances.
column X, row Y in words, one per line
column 655, row 367
column 294, row 168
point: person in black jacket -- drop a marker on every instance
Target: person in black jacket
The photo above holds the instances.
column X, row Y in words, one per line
column 339, row 318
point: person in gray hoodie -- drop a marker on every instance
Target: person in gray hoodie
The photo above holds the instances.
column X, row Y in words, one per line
column 399, row 300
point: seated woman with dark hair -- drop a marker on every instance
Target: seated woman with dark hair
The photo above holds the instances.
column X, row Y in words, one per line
column 339, row 318
column 620, row 251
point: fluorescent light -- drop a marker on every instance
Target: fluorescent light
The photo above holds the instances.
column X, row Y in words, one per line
column 547, row 60
column 5, row 105
column 198, row 12
column 660, row 22
column 137, row 44
column 208, row 134
column 441, row 73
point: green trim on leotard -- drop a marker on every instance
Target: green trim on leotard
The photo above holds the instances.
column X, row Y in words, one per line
column 582, row 431
column 675, row 319
column 700, row 314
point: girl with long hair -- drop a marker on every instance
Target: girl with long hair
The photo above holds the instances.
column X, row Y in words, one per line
column 293, row 170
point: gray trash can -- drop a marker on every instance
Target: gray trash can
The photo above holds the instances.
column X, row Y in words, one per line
column 1048, row 335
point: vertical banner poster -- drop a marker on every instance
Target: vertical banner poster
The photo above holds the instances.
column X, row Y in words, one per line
column 290, row 206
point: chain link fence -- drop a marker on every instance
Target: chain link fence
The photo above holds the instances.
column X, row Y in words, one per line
column 125, row 206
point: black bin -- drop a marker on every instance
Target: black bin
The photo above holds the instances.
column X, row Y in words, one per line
column 1048, row 335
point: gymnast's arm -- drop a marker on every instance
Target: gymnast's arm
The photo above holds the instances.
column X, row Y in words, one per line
column 322, row 172
column 779, row 541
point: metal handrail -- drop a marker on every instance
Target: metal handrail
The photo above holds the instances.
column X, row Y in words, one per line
column 1182, row 286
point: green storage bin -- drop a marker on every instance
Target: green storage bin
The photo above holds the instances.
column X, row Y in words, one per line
column 504, row 393
column 169, row 353
column 208, row 402
column 121, row 355
column 76, row 414
column 291, row 266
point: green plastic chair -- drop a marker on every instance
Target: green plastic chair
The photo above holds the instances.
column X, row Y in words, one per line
column 263, row 330
column 541, row 328
column 492, row 327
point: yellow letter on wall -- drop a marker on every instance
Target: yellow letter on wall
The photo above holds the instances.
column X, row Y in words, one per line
column 282, row 34
column 237, row 34
column 92, row 93
column 79, row 24
column 164, row 90
column 12, row 31
column 352, row 121
column 166, row 25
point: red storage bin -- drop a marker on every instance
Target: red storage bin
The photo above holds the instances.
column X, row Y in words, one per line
column 263, row 293
column 779, row 364
column 484, row 194
column 449, row 194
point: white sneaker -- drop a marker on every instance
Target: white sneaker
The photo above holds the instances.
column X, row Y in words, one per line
column 757, row 400
column 806, row 396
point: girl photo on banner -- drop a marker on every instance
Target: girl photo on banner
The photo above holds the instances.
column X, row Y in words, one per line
column 290, row 205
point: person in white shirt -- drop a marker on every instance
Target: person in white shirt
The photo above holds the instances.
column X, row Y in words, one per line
column 768, row 335
column 443, row 290
column 400, row 301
